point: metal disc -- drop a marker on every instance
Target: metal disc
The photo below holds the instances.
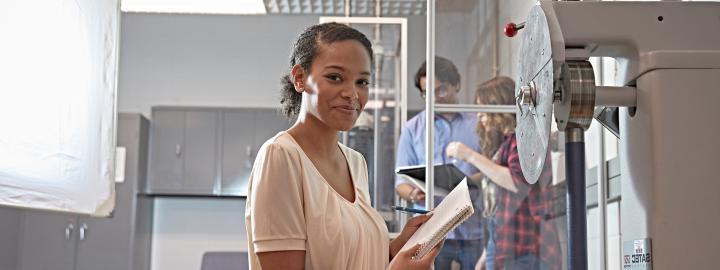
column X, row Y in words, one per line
column 533, row 120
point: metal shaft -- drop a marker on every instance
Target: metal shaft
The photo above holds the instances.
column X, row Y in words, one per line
column 612, row 96
column 429, row 107
column 577, row 219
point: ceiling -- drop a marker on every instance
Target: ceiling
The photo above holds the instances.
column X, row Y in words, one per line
column 360, row 8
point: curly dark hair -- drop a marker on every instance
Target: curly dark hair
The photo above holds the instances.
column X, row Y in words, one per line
column 496, row 91
column 445, row 71
column 304, row 51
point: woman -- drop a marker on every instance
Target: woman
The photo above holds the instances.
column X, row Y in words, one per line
column 308, row 205
column 519, row 236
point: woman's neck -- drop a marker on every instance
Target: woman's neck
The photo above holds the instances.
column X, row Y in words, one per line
column 314, row 136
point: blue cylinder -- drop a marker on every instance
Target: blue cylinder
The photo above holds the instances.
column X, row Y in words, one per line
column 577, row 219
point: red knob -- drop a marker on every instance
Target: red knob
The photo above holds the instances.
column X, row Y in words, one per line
column 511, row 29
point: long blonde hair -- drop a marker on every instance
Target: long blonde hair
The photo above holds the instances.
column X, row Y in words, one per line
column 496, row 91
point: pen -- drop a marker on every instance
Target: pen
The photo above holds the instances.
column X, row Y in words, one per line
column 410, row 210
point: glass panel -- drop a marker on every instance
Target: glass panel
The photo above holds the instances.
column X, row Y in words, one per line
column 468, row 33
column 591, row 145
column 611, row 145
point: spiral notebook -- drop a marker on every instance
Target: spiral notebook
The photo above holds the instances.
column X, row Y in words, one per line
column 450, row 213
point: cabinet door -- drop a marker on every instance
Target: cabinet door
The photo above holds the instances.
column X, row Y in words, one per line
column 238, row 149
column 167, row 151
column 268, row 122
column 106, row 243
column 201, row 170
column 47, row 241
column 9, row 236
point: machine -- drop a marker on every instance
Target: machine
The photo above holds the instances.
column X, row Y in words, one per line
column 668, row 56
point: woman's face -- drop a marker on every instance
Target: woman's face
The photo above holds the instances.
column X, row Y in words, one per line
column 482, row 117
column 336, row 89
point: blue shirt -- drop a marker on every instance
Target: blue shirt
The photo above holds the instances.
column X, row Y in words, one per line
column 411, row 151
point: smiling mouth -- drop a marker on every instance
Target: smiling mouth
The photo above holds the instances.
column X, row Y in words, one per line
column 347, row 109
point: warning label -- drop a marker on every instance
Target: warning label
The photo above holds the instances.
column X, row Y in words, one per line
column 637, row 255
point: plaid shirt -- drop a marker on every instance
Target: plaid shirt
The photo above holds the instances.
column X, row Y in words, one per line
column 521, row 218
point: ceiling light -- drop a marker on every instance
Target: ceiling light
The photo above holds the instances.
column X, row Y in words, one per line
column 195, row 6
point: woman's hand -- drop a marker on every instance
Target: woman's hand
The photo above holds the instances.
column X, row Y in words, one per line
column 459, row 150
column 480, row 265
column 410, row 228
column 405, row 261
column 417, row 196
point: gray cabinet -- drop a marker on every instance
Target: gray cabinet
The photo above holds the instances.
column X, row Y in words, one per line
column 244, row 132
column 58, row 241
column 200, row 170
column 166, row 155
column 9, row 232
column 183, row 155
column 268, row 122
column 47, row 241
column 207, row 151
column 239, row 150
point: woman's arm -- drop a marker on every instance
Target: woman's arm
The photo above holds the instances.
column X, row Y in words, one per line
column 500, row 175
column 277, row 217
column 281, row 260
column 410, row 193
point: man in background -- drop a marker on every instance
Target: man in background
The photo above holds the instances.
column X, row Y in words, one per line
column 464, row 244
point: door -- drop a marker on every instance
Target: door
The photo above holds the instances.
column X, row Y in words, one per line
column 105, row 243
column 268, row 122
column 10, row 219
column 47, row 241
column 167, row 151
column 238, row 150
column 201, row 170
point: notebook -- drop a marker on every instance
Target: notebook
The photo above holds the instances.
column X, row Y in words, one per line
column 450, row 213
column 447, row 176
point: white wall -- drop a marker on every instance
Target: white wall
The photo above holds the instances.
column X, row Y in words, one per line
column 211, row 60
column 202, row 60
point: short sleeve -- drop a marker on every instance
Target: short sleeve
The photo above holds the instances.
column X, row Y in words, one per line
column 276, row 206
column 405, row 153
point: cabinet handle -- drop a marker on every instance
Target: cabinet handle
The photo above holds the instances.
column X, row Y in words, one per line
column 69, row 230
column 178, row 150
column 83, row 228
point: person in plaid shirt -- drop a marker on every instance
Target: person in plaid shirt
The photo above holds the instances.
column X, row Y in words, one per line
column 520, row 236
